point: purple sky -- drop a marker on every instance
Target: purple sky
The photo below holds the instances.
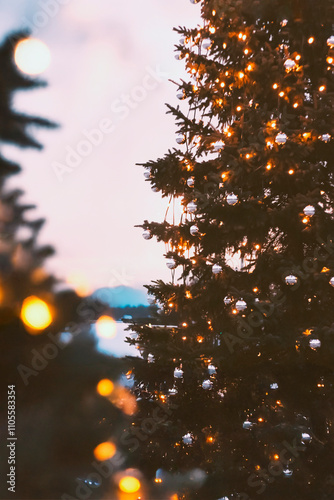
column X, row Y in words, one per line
column 103, row 56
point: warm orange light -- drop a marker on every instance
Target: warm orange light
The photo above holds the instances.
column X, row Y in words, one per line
column 276, row 457
column 238, row 108
column 158, row 480
column 241, row 74
column 188, row 294
column 200, row 339
column 248, row 156
column 298, row 56
column 240, row 36
column 171, row 305
column 184, row 324
column 260, row 419
column 210, row 439
column 322, row 88
column 291, row 171
column 257, row 247
column 295, row 105
column 129, row 484
column 249, row 67
column 325, row 269
column 222, row 85
column 246, row 51
column 281, row 94
column 212, row 30
column 105, row 387
column 305, row 220
column 104, row 451
column 35, row 313
column 275, row 86
column 106, row 327
column 307, row 332
column 269, row 166
column 224, row 45
column 184, row 338
column 213, row 12
column 330, row 60
column 310, row 40
column 234, row 311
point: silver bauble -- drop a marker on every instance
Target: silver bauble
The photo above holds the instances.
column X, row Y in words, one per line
column 309, row 210
column 206, row 43
column 187, row 438
column 147, row 235
column 325, row 137
column 331, row 281
column 171, row 264
column 330, row 41
column 232, row 199
column 181, row 139
column 212, row 369
column 281, row 138
column 247, row 425
column 178, row 373
column 289, row 64
column 216, row 269
column 207, row 384
column 315, row 343
column 191, row 182
column 241, row 305
column 291, row 279
column 191, row 207
column 194, row 230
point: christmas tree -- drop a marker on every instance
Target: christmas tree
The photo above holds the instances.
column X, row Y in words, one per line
column 235, row 385
column 63, row 407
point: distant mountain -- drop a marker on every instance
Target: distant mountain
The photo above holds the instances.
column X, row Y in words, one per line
column 121, row 296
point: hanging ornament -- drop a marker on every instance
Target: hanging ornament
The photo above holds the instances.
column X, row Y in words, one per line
column 173, row 390
column 306, row 438
column 331, row 281
column 178, row 373
column 194, row 230
column 181, row 139
column 315, row 343
column 187, row 439
column 330, row 41
column 206, row 43
column 325, row 137
column 287, row 472
column 309, row 210
column 150, row 358
column 147, row 173
column 291, row 279
column 191, row 182
column 241, row 305
column 216, row 269
column 191, row 207
column 171, row 263
column 147, row 235
column 212, row 369
column 181, row 95
column 155, row 189
column 247, row 425
column 274, row 386
column 289, row 64
column 227, row 300
column 218, row 146
column 281, row 138
column 232, row 199
column 207, row 384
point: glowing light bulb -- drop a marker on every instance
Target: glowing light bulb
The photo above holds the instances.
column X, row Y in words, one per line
column 246, row 51
column 213, row 12
column 269, row 166
column 104, row 451
column 249, row 67
column 241, row 75
column 105, row 387
column 129, row 484
column 281, row 94
column 310, row 40
column 35, row 314
column 305, row 220
column 295, row 105
column 298, row 57
column 275, row 86
column 291, row 171
column 255, row 289
column 322, row 88
column 276, row 457
column 212, row 30
column 330, row 60
column 238, row 108
column 32, row 56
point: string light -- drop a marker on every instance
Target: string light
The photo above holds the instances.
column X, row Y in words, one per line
column 310, row 40
column 238, row 108
column 212, row 30
column 105, row 387
column 275, row 86
column 269, row 166
column 35, row 314
column 291, row 171
column 322, row 88
column 281, row 94
column 246, row 52
column 298, row 56
column 295, row 105
column 241, row 75
column 330, row 60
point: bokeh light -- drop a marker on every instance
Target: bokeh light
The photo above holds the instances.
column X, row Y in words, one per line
column 129, row 484
column 106, row 327
column 32, row 56
column 104, row 451
column 79, row 282
column 105, row 387
column 35, row 313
